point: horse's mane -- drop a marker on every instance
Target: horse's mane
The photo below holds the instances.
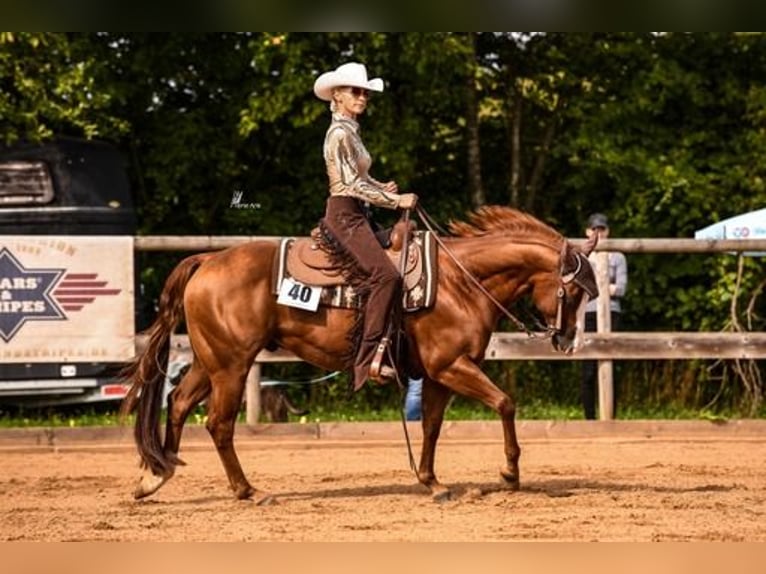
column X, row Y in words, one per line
column 491, row 219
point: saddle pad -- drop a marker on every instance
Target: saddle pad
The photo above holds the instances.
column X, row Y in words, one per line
column 419, row 284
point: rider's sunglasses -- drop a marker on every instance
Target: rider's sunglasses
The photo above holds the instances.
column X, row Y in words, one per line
column 359, row 92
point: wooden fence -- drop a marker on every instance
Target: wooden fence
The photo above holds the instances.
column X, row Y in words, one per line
column 603, row 345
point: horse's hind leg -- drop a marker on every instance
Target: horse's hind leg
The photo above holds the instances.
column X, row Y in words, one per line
column 194, row 386
column 223, row 406
column 435, row 400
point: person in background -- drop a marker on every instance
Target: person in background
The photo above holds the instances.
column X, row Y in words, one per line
column 618, row 283
column 413, row 399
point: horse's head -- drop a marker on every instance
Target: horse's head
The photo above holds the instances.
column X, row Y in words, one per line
column 562, row 297
column 559, row 286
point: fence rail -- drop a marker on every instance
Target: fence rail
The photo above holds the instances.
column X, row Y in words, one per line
column 624, row 345
column 631, row 245
column 603, row 346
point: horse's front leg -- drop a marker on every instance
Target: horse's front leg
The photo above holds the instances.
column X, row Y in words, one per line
column 466, row 378
column 510, row 472
column 434, row 400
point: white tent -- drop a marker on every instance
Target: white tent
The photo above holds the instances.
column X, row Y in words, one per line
column 750, row 225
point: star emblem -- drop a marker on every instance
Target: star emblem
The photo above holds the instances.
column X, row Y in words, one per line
column 25, row 295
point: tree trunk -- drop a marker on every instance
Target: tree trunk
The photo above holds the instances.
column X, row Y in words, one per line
column 476, row 188
column 537, row 171
column 515, row 137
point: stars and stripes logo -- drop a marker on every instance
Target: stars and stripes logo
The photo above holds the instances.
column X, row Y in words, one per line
column 39, row 294
column 77, row 290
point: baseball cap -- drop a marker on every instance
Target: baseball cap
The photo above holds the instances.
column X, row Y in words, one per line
column 597, row 220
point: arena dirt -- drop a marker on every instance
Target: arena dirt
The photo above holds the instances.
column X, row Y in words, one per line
column 579, row 489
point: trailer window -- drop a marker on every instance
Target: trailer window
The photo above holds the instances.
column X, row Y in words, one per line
column 24, row 183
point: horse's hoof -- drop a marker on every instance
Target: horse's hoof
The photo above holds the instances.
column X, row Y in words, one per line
column 514, row 486
column 173, row 459
column 510, row 478
column 441, row 495
column 244, row 492
column 258, row 497
column 265, row 499
column 149, row 484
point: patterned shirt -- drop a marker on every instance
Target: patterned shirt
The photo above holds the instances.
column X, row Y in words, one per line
column 348, row 164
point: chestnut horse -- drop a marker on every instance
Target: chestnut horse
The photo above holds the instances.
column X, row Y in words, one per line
column 231, row 314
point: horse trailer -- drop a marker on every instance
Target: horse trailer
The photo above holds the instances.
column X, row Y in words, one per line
column 67, row 279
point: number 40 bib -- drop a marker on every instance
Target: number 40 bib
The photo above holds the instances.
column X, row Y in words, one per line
column 295, row 294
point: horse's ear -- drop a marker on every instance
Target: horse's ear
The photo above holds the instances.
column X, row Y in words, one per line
column 568, row 261
column 590, row 245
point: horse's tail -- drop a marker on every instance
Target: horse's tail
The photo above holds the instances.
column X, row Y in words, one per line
column 146, row 372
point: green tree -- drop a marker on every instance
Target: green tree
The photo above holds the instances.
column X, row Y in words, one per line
column 48, row 85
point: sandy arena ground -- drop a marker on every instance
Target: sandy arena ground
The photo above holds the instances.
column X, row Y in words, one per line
column 356, row 485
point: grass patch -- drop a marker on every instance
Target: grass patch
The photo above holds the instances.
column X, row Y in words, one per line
column 459, row 409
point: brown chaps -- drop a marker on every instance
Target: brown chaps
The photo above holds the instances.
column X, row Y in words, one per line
column 345, row 220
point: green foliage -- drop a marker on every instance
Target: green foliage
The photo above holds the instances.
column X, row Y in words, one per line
column 50, row 86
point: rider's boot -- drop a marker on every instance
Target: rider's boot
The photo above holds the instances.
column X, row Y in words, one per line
column 369, row 365
column 379, row 372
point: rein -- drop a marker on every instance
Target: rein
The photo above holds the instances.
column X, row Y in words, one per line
column 549, row 331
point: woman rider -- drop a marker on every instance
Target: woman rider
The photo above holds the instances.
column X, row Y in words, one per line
column 347, row 88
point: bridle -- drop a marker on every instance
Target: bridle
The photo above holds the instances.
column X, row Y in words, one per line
column 548, row 331
column 561, row 294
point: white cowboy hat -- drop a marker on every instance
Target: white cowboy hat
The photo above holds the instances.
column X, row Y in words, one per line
column 351, row 74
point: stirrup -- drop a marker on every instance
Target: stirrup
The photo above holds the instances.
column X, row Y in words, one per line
column 379, row 371
column 386, row 375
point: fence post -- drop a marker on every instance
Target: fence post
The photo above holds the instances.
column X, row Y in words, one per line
column 604, row 325
column 253, row 394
